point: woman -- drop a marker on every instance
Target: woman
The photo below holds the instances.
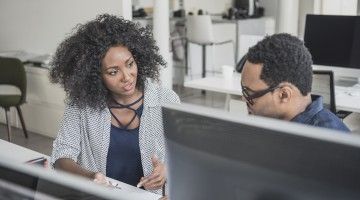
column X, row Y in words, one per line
column 112, row 125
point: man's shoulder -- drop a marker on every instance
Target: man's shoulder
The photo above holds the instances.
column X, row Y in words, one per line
column 325, row 118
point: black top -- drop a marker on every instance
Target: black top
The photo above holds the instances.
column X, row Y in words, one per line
column 124, row 159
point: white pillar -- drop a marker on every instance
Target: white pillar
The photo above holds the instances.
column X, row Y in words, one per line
column 126, row 9
column 317, row 7
column 288, row 16
column 161, row 31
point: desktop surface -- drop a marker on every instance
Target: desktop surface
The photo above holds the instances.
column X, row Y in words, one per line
column 217, row 84
column 33, row 181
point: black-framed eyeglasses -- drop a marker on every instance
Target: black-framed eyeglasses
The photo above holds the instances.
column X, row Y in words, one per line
column 250, row 97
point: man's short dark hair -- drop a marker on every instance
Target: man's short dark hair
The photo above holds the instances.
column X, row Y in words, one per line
column 285, row 59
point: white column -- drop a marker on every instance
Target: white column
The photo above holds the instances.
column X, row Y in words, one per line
column 161, row 33
column 126, row 9
column 317, row 7
column 288, row 16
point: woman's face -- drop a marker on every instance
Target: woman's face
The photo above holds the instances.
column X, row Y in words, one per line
column 119, row 71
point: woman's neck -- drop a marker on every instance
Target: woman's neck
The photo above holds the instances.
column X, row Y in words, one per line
column 127, row 99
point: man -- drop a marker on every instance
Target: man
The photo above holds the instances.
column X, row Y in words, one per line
column 276, row 82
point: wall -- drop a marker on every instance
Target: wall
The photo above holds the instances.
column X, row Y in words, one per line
column 40, row 25
column 305, row 7
column 211, row 6
column 271, row 10
column 339, row 7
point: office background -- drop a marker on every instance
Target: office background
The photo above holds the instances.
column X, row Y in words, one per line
column 38, row 27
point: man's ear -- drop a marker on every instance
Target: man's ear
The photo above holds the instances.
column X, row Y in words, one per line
column 285, row 94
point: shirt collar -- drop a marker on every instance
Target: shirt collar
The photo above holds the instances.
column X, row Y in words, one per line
column 315, row 107
column 151, row 93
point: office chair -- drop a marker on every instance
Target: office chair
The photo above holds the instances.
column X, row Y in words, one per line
column 323, row 84
column 200, row 32
column 240, row 65
column 13, row 93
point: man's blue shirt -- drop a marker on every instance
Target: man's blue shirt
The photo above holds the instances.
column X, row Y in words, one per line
column 316, row 115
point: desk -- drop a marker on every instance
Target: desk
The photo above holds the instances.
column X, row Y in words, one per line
column 19, row 155
column 344, row 101
column 218, row 84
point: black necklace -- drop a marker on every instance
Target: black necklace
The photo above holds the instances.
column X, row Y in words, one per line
column 118, row 105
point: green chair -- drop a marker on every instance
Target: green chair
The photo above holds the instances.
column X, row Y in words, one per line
column 13, row 89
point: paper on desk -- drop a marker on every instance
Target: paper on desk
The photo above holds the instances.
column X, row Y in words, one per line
column 143, row 194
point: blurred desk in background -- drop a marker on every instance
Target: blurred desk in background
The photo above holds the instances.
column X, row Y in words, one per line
column 344, row 98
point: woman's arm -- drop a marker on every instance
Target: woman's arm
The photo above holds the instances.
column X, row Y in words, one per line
column 68, row 140
column 68, row 165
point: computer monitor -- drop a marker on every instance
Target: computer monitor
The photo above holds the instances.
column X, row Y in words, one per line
column 213, row 154
column 250, row 6
column 334, row 43
column 24, row 181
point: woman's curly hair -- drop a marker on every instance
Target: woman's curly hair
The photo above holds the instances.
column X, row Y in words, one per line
column 76, row 64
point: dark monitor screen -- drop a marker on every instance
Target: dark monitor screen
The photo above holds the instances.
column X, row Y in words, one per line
column 333, row 40
column 241, row 4
column 216, row 155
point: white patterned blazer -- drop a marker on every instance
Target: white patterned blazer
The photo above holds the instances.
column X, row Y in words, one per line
column 84, row 134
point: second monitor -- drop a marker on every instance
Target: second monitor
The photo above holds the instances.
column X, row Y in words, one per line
column 334, row 43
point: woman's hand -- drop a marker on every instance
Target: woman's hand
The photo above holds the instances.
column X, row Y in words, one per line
column 157, row 178
column 164, row 198
column 100, row 179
